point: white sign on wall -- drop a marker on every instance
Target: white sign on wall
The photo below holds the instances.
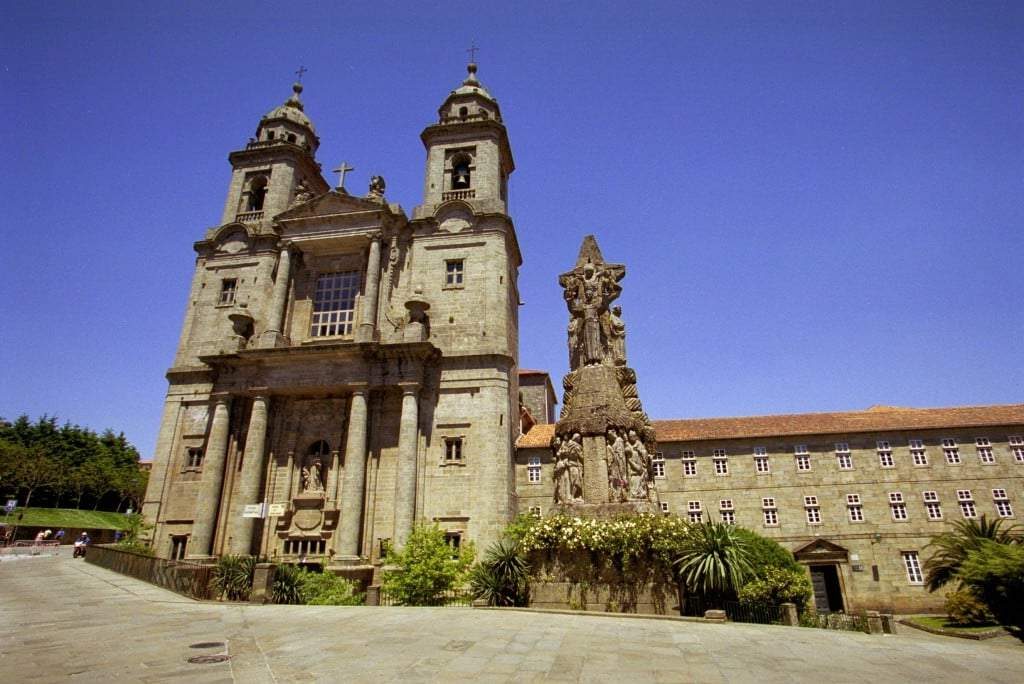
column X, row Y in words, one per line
column 254, row 511
column 275, row 510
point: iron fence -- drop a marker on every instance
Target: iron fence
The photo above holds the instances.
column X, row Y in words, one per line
column 183, row 577
column 453, row 598
column 758, row 614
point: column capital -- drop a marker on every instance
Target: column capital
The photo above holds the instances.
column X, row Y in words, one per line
column 361, row 389
column 221, row 397
column 287, row 246
column 375, row 236
column 259, row 393
column 409, row 387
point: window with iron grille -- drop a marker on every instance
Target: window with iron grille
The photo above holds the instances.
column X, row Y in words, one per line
column 453, row 449
column 194, row 458
column 664, row 507
column 334, row 303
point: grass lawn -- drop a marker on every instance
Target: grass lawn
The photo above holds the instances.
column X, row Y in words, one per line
column 942, row 622
column 56, row 518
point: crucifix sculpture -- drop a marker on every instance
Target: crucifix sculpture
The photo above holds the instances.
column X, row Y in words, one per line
column 301, row 70
column 473, row 49
column 341, row 171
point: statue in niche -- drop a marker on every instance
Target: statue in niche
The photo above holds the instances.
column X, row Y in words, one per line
column 618, row 484
column 302, row 193
column 568, row 469
column 312, row 481
column 639, row 463
column 617, row 334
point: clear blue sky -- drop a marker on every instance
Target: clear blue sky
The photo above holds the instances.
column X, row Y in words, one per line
column 819, row 204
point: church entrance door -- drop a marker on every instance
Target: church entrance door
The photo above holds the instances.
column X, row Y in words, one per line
column 828, row 595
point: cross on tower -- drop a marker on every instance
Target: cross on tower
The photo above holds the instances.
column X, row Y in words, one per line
column 301, row 70
column 341, row 171
column 473, row 49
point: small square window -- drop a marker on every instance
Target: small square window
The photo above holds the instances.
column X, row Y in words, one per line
column 768, row 502
column 760, row 451
column 1016, row 440
column 930, row 496
column 810, row 501
column 228, row 286
column 853, row 499
column 982, row 442
column 883, row 445
column 194, row 458
column 803, row 463
column 454, row 272
column 842, row 447
column 916, row 444
column 964, row 495
column 895, row 497
column 536, row 512
column 453, row 449
column 800, row 449
column 664, row 507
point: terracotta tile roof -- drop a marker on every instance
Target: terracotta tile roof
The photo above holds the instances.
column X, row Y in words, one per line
column 875, row 419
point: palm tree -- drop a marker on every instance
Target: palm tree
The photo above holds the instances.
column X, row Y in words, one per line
column 502, row 578
column 714, row 560
column 952, row 547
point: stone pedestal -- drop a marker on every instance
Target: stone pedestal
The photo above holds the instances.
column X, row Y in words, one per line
column 262, row 581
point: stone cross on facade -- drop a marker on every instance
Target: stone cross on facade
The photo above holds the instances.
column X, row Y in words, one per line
column 341, row 171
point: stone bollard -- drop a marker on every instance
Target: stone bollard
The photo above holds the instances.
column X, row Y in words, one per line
column 714, row 615
column 888, row 624
column 373, row 595
column 789, row 614
column 262, row 581
column 874, row 622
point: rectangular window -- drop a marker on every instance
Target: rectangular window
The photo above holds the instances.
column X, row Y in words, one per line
column 845, row 461
column 898, row 506
column 533, row 470
column 771, row 513
column 536, row 512
column 454, row 272
column 664, row 507
column 1017, row 447
column 966, row 501
column 689, row 464
column 984, row 447
column 453, row 449
column 951, row 452
column 918, row 453
column 721, row 465
column 227, row 291
column 454, row 542
column 761, row 465
column 194, row 458
column 803, row 463
column 1002, row 502
column 812, row 510
column 658, row 464
column 725, row 507
column 694, row 511
column 854, row 508
column 913, row 565
column 885, row 454
column 931, row 505
column 334, row 304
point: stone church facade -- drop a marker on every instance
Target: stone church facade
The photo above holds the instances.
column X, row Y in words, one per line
column 344, row 369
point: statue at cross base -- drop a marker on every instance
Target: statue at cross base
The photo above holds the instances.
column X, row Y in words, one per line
column 603, row 440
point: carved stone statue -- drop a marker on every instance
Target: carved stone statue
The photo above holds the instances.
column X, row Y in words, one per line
column 377, row 186
column 617, row 333
column 617, row 474
column 568, row 469
column 302, row 193
column 311, row 478
column 575, row 448
column 639, row 464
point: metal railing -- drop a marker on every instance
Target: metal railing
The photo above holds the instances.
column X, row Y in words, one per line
column 453, row 598
column 183, row 577
column 694, row 606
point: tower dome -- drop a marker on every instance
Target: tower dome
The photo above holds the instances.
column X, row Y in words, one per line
column 288, row 123
column 471, row 101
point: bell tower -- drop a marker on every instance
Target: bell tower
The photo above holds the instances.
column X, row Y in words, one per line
column 468, row 153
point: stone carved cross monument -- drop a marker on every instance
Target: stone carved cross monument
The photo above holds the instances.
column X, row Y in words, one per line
column 603, row 439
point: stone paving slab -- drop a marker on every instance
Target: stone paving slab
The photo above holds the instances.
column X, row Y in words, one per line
column 64, row 620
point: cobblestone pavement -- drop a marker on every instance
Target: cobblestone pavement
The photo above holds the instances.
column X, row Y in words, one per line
column 64, row 620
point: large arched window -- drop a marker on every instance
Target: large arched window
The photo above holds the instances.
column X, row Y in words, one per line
column 320, row 448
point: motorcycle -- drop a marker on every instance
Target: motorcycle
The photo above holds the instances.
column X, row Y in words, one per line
column 79, row 550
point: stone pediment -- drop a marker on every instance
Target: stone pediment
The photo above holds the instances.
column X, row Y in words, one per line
column 332, row 203
column 821, row 550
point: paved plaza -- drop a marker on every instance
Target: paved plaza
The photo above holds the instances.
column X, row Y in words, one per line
column 64, row 620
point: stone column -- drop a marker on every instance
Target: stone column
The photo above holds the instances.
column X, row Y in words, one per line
column 368, row 313
column 354, row 482
column 405, row 477
column 240, row 530
column 278, row 301
column 208, row 501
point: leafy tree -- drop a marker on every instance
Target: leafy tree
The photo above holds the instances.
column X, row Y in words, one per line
column 767, row 554
column 502, row 578
column 328, row 589
column 427, row 568
column 714, row 560
column 952, row 547
column 994, row 572
column 34, row 470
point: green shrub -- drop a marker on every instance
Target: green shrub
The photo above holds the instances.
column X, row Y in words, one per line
column 766, row 554
column 426, row 568
column 502, row 578
column 714, row 561
column 232, row 577
column 994, row 573
column 964, row 608
column 777, row 585
column 134, row 546
column 287, row 585
column 328, row 589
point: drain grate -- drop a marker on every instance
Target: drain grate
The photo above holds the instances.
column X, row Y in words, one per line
column 207, row 644
column 203, row 659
